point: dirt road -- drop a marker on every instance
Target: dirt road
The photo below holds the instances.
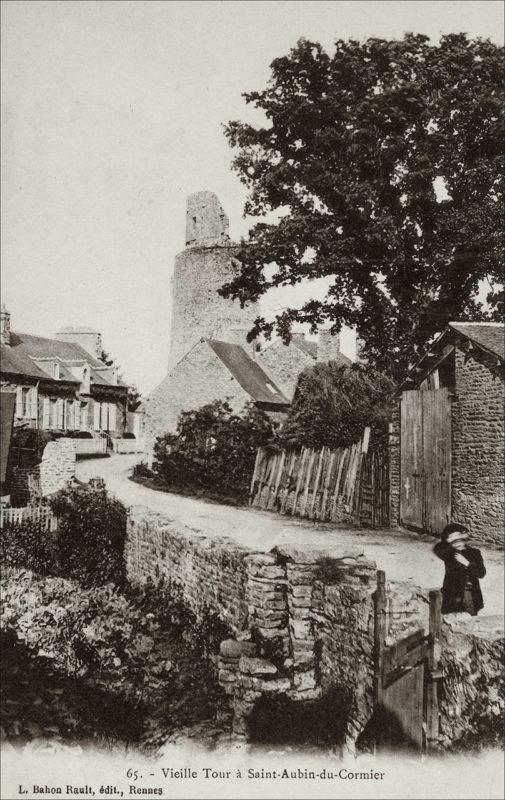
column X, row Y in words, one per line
column 403, row 555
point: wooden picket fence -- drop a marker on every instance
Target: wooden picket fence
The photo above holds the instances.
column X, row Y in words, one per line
column 41, row 515
column 318, row 484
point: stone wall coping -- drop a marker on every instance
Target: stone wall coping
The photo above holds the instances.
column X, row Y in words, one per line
column 142, row 515
column 316, row 555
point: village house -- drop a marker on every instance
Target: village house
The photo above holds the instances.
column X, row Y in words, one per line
column 61, row 384
column 447, row 452
column 285, row 362
column 210, row 357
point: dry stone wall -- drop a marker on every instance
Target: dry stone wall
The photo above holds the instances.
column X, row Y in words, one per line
column 303, row 627
column 57, row 467
column 478, row 448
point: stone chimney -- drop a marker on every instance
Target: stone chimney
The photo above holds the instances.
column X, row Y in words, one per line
column 297, row 336
column 5, row 326
column 328, row 346
column 88, row 338
column 206, row 223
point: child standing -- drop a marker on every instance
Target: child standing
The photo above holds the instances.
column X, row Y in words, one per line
column 463, row 568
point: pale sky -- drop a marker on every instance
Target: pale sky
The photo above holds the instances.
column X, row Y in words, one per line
column 113, row 113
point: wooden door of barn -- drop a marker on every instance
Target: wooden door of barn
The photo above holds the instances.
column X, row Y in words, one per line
column 425, row 459
column 406, row 677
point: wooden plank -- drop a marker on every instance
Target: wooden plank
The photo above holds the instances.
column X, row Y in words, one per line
column 352, row 472
column 365, row 440
column 255, row 472
column 395, row 664
column 303, row 460
column 356, row 476
column 265, row 488
column 434, row 675
column 316, row 482
column 402, row 707
column 287, row 482
column 307, row 483
column 326, row 485
column 271, row 479
column 262, row 472
column 342, row 456
column 279, row 476
column 379, row 633
column 437, row 459
column 411, row 460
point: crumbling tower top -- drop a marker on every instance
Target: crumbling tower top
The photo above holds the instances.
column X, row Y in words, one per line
column 206, row 223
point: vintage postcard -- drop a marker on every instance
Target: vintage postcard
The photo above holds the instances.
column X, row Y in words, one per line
column 252, row 399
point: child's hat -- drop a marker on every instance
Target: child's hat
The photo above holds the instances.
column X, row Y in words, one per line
column 454, row 532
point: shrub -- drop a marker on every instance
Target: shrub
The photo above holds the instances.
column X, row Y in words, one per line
column 115, row 643
column 88, row 633
column 141, row 470
column 91, row 534
column 213, row 448
column 333, row 404
column 34, row 440
column 28, row 545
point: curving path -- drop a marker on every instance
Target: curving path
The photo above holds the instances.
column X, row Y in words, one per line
column 402, row 554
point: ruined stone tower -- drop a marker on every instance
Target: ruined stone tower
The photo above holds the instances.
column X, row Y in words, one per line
column 200, row 270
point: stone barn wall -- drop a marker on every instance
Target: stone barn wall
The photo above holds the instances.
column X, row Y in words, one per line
column 478, row 448
column 303, row 627
column 200, row 377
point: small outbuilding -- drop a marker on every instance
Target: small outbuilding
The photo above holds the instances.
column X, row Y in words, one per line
column 447, row 453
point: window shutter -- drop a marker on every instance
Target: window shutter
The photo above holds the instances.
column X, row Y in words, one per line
column 61, row 413
column 33, row 402
column 112, row 417
column 19, row 401
column 45, row 413
column 96, row 416
column 70, row 414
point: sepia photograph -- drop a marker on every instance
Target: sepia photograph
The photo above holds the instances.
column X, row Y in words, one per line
column 252, row 395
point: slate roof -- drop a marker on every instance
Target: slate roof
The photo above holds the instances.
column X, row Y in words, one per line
column 248, row 373
column 308, row 346
column 14, row 361
column 17, row 358
column 40, row 347
column 489, row 335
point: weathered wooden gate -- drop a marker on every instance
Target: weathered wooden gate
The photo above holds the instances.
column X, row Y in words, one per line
column 425, row 472
column 373, row 502
column 406, row 677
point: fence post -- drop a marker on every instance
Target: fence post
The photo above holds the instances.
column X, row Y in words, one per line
column 434, row 673
column 379, row 634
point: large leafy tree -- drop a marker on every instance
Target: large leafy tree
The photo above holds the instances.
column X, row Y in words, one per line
column 384, row 166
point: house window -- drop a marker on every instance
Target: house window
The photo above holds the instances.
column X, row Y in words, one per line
column 25, row 402
column 83, row 416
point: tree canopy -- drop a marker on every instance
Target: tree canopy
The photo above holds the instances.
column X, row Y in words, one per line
column 354, row 149
column 333, row 404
